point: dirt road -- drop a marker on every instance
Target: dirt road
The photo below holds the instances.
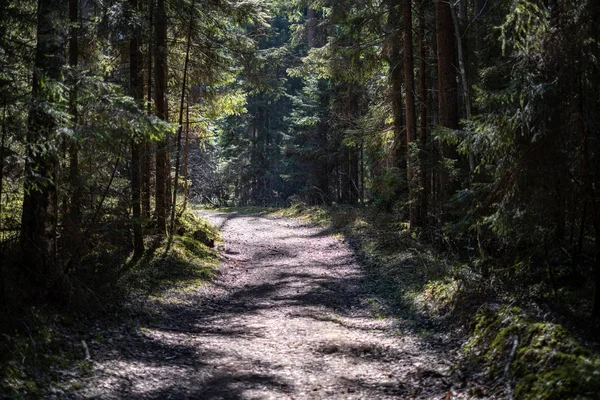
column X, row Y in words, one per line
column 288, row 318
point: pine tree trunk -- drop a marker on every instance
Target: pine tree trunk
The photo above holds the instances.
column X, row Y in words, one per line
column 592, row 184
column 465, row 89
column 40, row 203
column 323, row 167
column 135, row 77
column 180, row 130
column 354, row 175
column 146, row 178
column 2, row 144
column 312, row 27
column 73, row 218
column 162, row 148
column 362, row 172
column 186, row 161
column 447, row 86
column 396, row 77
column 147, row 150
column 345, row 176
column 423, row 180
column 411, row 129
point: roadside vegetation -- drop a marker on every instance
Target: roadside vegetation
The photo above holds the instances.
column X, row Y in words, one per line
column 44, row 348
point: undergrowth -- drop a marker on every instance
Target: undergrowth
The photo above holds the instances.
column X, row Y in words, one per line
column 540, row 360
column 43, row 349
column 191, row 261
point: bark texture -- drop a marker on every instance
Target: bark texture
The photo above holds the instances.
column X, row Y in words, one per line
column 39, row 219
column 409, row 84
column 136, row 78
column 423, row 181
column 162, row 147
column 396, row 78
column 447, row 87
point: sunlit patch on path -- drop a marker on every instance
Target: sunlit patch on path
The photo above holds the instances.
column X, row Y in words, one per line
column 288, row 318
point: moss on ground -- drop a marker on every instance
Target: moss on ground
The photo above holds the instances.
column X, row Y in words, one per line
column 542, row 360
column 191, row 261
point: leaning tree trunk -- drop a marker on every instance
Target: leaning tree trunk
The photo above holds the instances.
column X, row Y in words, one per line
column 162, row 111
column 39, row 220
column 180, row 130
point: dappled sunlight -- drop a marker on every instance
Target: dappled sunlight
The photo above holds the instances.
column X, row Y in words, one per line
column 289, row 316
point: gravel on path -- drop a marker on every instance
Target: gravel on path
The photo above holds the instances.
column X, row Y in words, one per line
column 287, row 318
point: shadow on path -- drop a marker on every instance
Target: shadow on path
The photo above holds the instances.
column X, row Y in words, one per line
column 288, row 317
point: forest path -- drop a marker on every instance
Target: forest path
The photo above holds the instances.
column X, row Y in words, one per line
column 288, row 318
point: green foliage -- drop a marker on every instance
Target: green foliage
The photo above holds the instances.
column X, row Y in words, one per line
column 386, row 188
column 107, row 115
column 527, row 137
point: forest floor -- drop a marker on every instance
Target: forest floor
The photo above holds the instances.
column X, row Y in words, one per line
column 291, row 315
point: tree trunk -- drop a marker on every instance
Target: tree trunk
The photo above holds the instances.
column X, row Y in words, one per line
column 135, row 79
column 409, row 84
column 463, row 78
column 423, row 182
column 447, row 86
column 180, row 130
column 186, row 161
column 362, row 173
column 322, row 173
column 592, row 183
column 354, row 175
column 147, row 155
column 162, row 111
column 2, row 144
column 312, row 27
column 73, row 218
column 146, row 178
column 395, row 61
column 40, row 203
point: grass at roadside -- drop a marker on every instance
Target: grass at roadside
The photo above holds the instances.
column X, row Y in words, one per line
column 43, row 349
